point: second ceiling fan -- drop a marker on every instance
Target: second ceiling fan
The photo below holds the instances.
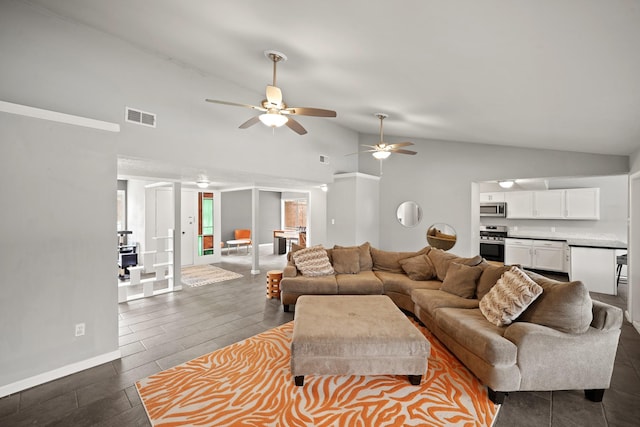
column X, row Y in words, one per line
column 382, row 150
column 275, row 112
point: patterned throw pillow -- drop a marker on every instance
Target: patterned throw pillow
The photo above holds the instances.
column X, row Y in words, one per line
column 313, row 261
column 510, row 296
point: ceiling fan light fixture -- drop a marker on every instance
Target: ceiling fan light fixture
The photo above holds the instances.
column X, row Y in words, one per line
column 381, row 155
column 506, row 184
column 202, row 181
column 273, row 120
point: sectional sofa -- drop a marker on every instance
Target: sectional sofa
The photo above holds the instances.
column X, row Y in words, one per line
column 556, row 338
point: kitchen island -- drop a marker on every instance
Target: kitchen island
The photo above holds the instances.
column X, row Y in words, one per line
column 590, row 260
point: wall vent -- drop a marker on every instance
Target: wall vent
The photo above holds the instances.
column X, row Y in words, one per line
column 324, row 160
column 140, row 117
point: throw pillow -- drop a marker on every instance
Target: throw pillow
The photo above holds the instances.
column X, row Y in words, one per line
column 441, row 261
column 509, row 297
column 313, row 261
column 461, row 280
column 488, row 278
column 418, row 267
column 366, row 262
column 565, row 306
column 346, row 260
column 294, row 247
column 390, row 261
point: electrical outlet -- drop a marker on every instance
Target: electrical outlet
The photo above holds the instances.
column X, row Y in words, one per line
column 553, row 229
column 79, row 329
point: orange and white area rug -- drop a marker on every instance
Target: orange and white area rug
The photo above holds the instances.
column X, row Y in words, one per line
column 249, row 383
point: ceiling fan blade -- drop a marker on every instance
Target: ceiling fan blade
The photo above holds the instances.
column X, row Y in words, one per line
column 370, row 146
column 307, row 111
column 401, row 151
column 274, row 96
column 235, row 104
column 252, row 121
column 401, row 144
column 295, row 126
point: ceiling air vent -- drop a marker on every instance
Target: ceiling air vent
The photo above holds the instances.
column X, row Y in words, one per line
column 324, row 160
column 140, row 117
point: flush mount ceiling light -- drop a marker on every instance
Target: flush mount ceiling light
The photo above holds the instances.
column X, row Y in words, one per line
column 202, row 181
column 506, row 184
column 275, row 112
column 324, row 187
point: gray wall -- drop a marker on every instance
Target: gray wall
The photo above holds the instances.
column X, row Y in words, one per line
column 236, row 213
column 59, row 246
column 440, row 179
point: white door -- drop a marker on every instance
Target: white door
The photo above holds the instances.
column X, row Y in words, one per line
column 551, row 259
column 583, row 203
column 518, row 252
column 189, row 219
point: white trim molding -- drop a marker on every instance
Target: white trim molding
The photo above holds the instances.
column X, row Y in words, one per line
column 54, row 116
column 45, row 377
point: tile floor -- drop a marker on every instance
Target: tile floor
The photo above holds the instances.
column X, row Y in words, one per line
column 166, row 330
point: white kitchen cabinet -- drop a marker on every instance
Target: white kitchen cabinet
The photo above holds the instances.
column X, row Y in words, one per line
column 537, row 254
column 518, row 251
column 519, row 204
column 548, row 255
column 582, row 203
column 548, row 204
column 492, row 197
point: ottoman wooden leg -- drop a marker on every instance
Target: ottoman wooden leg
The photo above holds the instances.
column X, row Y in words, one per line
column 415, row 379
column 299, row 380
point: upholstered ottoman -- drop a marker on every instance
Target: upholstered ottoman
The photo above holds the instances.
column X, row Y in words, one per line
column 355, row 335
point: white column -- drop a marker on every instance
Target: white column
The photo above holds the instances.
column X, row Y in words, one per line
column 177, row 235
column 255, row 232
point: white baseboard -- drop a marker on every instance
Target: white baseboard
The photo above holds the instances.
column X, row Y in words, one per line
column 45, row 377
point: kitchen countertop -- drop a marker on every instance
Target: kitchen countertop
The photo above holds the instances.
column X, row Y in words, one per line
column 577, row 242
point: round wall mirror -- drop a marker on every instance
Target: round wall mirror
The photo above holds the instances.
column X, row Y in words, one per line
column 441, row 236
column 409, row 214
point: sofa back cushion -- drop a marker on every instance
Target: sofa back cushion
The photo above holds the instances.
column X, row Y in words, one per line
column 461, row 280
column 513, row 293
column 364, row 252
column 418, row 267
column 441, row 260
column 565, row 306
column 390, row 261
column 346, row 260
column 488, row 278
column 313, row 261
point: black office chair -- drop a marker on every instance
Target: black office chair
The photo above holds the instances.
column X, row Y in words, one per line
column 620, row 260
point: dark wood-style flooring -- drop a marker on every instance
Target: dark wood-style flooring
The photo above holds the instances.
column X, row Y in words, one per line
column 159, row 332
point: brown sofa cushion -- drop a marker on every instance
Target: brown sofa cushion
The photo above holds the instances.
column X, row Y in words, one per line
column 313, row 261
column 390, row 261
column 418, row 267
column 461, row 280
column 509, row 297
column 364, row 250
column 488, row 278
column 565, row 306
column 346, row 260
column 441, row 261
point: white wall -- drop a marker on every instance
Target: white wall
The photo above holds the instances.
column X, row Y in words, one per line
column 59, row 249
column 440, row 179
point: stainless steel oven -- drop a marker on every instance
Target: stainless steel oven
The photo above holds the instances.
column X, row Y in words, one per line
column 492, row 242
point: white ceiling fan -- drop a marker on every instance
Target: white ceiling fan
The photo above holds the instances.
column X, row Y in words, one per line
column 275, row 112
column 382, row 150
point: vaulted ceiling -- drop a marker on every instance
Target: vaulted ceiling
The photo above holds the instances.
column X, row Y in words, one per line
column 562, row 74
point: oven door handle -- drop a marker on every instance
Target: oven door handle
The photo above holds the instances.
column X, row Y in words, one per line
column 491, row 242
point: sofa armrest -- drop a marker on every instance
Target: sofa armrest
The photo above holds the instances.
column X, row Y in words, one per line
column 606, row 317
column 553, row 360
column 290, row 271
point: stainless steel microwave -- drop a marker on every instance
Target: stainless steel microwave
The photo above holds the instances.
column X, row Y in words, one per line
column 495, row 209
